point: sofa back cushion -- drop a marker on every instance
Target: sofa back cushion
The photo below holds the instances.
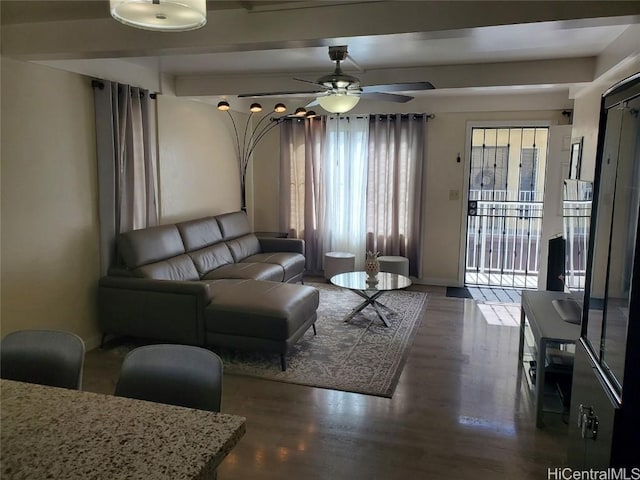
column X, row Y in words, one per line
column 244, row 247
column 233, row 225
column 236, row 232
column 175, row 268
column 200, row 233
column 210, row 258
column 149, row 245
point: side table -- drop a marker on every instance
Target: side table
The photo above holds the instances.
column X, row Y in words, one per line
column 539, row 317
column 338, row 262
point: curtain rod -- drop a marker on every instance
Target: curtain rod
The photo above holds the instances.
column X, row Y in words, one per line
column 386, row 115
column 428, row 116
column 100, row 85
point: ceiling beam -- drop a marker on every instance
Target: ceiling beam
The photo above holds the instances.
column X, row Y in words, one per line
column 259, row 29
column 543, row 72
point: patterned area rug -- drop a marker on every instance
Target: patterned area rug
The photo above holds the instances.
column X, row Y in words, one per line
column 361, row 356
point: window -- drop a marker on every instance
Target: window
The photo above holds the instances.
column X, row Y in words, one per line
column 489, row 170
column 528, row 159
column 360, row 188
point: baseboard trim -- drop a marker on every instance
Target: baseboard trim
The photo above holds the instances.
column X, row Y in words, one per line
column 92, row 343
column 439, row 282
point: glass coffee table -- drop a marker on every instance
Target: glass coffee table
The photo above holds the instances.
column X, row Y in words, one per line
column 357, row 283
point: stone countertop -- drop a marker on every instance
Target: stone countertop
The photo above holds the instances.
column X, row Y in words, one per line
column 48, row 432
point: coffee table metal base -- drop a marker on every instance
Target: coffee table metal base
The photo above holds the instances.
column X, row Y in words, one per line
column 360, row 284
column 370, row 300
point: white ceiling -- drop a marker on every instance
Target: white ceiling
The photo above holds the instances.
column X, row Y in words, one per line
column 505, row 43
column 246, row 47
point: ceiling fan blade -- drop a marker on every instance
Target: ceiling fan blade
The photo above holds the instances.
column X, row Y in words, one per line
column 386, row 97
column 398, row 87
column 310, row 81
column 312, row 104
column 279, row 94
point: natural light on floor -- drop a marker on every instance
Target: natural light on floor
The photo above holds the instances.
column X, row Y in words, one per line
column 506, row 314
column 499, row 306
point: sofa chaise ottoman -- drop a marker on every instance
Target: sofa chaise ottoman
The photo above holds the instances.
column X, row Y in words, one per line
column 208, row 282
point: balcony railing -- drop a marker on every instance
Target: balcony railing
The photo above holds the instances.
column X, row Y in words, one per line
column 575, row 230
column 503, row 241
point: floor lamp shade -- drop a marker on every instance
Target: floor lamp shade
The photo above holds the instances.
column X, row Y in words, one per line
column 161, row 15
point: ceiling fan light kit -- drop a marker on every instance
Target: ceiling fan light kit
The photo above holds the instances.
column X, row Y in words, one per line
column 338, row 102
column 341, row 92
column 161, row 15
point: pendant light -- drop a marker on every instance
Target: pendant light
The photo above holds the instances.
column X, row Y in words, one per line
column 161, row 15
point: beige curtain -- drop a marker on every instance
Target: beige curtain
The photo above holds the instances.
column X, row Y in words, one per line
column 345, row 183
column 394, row 186
column 395, row 153
column 302, row 212
column 126, row 153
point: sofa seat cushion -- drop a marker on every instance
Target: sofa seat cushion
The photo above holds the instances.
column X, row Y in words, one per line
column 292, row 263
column 275, row 310
column 247, row 271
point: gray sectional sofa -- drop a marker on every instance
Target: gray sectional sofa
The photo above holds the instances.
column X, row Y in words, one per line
column 208, row 282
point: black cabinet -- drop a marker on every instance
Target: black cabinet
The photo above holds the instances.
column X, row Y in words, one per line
column 605, row 409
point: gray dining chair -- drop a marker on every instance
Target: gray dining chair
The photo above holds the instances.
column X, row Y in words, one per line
column 180, row 375
column 47, row 357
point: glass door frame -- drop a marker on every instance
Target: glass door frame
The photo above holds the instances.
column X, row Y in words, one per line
column 470, row 125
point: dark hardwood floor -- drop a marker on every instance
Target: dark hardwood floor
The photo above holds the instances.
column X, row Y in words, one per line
column 459, row 412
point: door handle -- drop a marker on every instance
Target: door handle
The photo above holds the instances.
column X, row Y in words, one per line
column 588, row 422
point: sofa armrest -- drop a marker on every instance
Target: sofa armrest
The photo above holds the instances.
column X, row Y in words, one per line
column 272, row 245
column 198, row 289
column 159, row 309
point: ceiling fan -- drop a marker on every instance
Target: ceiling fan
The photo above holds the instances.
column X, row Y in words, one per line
column 341, row 92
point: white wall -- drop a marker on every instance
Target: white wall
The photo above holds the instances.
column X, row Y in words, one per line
column 264, row 175
column 443, row 221
column 50, row 263
column 557, row 171
column 49, row 213
column 49, row 249
column 198, row 169
column 586, row 113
